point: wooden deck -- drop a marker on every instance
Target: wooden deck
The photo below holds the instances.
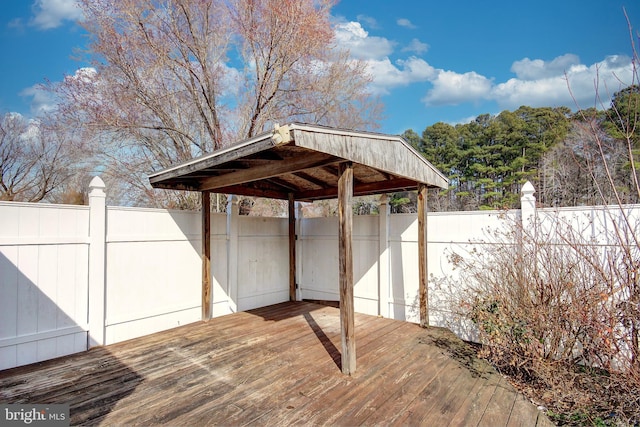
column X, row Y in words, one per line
column 274, row 366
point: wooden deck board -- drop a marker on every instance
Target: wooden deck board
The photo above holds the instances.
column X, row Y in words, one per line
column 277, row 365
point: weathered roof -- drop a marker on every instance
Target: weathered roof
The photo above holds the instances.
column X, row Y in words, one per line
column 303, row 160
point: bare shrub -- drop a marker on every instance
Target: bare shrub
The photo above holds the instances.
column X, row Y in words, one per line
column 556, row 307
column 557, row 301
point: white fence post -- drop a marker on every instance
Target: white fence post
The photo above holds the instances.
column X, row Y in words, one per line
column 528, row 206
column 97, row 254
column 299, row 249
column 384, row 210
column 233, row 216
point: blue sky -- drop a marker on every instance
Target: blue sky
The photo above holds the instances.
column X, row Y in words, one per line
column 430, row 61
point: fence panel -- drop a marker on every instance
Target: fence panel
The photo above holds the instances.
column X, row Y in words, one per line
column 318, row 250
column 43, row 282
column 263, row 262
column 153, row 271
column 221, row 296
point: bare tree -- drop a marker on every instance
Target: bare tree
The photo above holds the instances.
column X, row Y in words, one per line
column 174, row 79
column 293, row 69
column 575, row 171
column 37, row 158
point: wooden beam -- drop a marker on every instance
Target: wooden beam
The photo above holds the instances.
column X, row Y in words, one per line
column 267, row 171
column 292, row 248
column 269, row 190
column 206, row 255
column 423, row 288
column 377, row 187
column 345, row 263
column 257, row 189
column 264, row 155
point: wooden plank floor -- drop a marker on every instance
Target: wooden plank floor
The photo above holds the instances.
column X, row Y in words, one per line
column 278, row 365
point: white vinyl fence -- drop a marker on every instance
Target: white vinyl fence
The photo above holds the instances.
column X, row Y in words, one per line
column 72, row 277
column 44, row 255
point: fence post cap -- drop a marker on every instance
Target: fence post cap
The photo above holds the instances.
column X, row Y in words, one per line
column 528, row 189
column 97, row 182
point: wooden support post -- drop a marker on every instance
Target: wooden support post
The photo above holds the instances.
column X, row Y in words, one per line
column 206, row 255
column 292, row 248
column 423, row 288
column 345, row 262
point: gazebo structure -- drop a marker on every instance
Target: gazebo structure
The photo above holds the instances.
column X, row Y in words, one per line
column 300, row 162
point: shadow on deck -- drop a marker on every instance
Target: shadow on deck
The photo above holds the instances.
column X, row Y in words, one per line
column 277, row 365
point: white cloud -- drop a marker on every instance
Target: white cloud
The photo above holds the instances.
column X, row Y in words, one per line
column 463, row 121
column 33, row 131
column 448, row 86
column 534, row 93
column 16, row 23
column 611, row 75
column 416, row 46
column 84, row 75
column 404, row 22
column 387, row 75
column 232, row 81
column 451, row 88
column 370, row 21
column 527, row 69
column 555, row 87
column 41, row 100
column 44, row 101
column 376, row 51
column 352, row 36
column 52, row 13
column 537, row 82
column 418, row 68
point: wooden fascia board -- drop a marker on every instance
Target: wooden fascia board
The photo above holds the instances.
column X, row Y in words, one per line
column 168, row 185
column 234, row 152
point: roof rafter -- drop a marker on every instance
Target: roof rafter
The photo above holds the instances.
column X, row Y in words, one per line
column 268, row 171
column 398, row 184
